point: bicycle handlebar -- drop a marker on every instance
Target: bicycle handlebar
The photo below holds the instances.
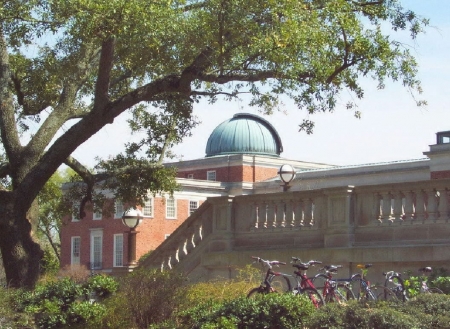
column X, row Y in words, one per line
column 311, row 262
column 391, row 273
column 269, row 263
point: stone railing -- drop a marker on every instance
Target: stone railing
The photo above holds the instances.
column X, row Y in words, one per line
column 347, row 217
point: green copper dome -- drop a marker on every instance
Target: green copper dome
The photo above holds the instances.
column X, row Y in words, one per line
column 244, row 134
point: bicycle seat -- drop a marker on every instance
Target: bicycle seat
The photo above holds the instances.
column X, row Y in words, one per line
column 427, row 269
column 301, row 266
column 332, row 268
column 364, row 265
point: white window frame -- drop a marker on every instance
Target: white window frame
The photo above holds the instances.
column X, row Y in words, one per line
column 97, row 215
column 166, row 236
column 190, row 176
column 75, row 215
column 118, row 250
column 211, row 175
column 171, row 208
column 191, row 209
column 148, row 204
column 118, row 209
column 75, row 250
column 96, row 249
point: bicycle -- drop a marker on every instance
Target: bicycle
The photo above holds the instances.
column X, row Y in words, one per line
column 394, row 283
column 368, row 293
column 270, row 284
column 424, row 289
column 337, row 290
column 304, row 285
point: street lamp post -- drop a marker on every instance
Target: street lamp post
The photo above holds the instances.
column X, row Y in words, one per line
column 287, row 175
column 132, row 218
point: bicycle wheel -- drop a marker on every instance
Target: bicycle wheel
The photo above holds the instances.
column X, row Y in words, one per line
column 255, row 292
column 281, row 284
column 314, row 296
column 383, row 293
column 434, row 291
column 319, row 282
column 335, row 296
column 395, row 284
column 346, row 291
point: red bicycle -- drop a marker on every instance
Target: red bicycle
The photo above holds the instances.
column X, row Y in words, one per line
column 304, row 284
column 337, row 290
column 273, row 281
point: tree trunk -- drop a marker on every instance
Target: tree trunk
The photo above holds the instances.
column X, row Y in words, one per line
column 20, row 253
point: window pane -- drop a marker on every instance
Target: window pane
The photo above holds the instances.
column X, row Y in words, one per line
column 170, row 208
column 193, row 205
column 211, row 175
column 118, row 250
column 148, row 208
column 118, row 209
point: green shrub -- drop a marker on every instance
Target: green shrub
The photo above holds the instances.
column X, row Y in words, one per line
column 362, row 316
column 443, row 283
column 151, row 296
column 49, row 263
column 269, row 311
column 83, row 312
column 101, row 285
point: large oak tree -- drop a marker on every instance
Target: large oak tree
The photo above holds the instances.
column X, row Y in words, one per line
column 81, row 63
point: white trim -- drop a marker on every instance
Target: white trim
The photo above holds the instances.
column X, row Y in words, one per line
column 96, row 249
column 209, row 174
column 150, row 202
column 118, row 209
column 76, row 213
column 118, row 250
column 75, row 255
column 174, row 208
column 97, row 215
column 192, row 210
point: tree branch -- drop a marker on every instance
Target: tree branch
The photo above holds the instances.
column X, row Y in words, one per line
column 104, row 72
column 87, row 177
column 8, row 128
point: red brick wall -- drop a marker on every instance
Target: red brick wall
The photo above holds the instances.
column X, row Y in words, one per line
column 440, row 174
column 151, row 233
column 234, row 173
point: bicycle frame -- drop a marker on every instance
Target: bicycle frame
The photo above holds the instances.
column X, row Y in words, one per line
column 266, row 284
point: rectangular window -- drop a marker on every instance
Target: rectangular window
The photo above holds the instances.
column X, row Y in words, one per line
column 75, row 253
column 148, row 208
column 193, row 205
column 118, row 209
column 118, row 250
column 166, row 236
column 171, row 208
column 96, row 249
column 211, row 175
column 76, row 212
column 97, row 215
column 190, row 176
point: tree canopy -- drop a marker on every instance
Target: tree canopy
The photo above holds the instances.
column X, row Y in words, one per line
column 71, row 67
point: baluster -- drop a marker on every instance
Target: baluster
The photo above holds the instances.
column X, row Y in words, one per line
column 299, row 215
column 255, row 216
column 377, row 202
column 263, row 214
column 281, row 220
column 420, row 207
column 169, row 262
column 386, row 207
column 443, row 206
column 308, row 212
column 409, row 206
column 290, row 220
column 398, row 207
column 271, row 215
column 197, row 238
column 431, row 205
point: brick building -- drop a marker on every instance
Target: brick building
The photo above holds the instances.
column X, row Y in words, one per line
column 240, row 152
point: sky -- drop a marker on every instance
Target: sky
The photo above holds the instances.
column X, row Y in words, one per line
column 392, row 127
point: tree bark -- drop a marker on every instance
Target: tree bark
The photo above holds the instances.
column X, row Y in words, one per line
column 20, row 253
